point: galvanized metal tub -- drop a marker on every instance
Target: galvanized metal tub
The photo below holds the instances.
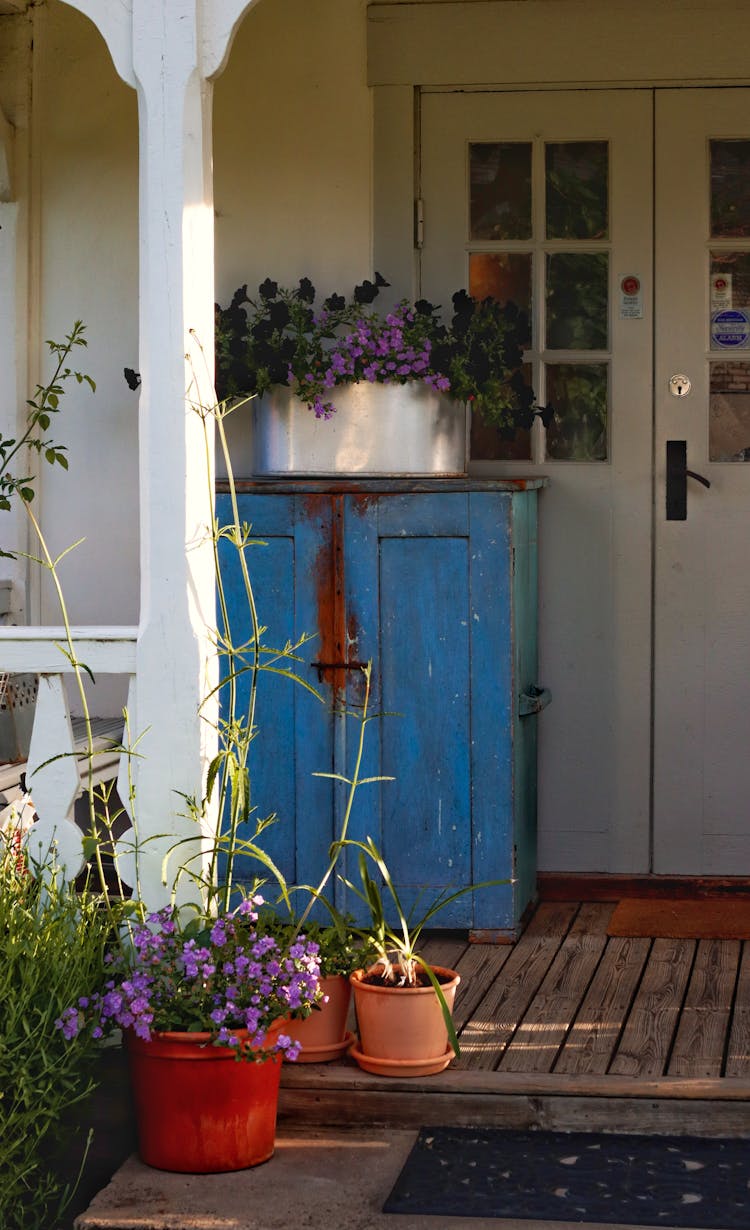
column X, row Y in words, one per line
column 377, row 429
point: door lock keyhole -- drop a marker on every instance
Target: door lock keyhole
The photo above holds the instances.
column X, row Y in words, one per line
column 679, row 385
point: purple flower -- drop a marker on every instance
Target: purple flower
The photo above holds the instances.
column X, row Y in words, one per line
column 236, row 980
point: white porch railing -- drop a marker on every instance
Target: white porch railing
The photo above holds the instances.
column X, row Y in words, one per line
column 57, row 763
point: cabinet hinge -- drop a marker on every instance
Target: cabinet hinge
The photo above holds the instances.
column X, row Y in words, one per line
column 419, row 223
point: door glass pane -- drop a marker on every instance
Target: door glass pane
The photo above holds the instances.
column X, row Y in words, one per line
column 578, row 392
column 730, row 300
column 577, row 175
column 729, row 412
column 505, row 276
column 488, row 444
column 730, row 188
column 500, row 188
column 577, row 300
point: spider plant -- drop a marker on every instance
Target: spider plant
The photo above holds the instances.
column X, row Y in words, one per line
column 396, row 945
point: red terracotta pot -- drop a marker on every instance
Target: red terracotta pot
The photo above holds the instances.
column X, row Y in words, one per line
column 200, row 1110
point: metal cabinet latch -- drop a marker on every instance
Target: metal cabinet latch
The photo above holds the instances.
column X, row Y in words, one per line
column 533, row 701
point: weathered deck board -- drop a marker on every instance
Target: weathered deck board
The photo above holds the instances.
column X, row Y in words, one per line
column 647, row 1038
column 479, row 967
column 699, row 1041
column 738, row 1050
column 537, row 1041
column 592, row 1040
column 443, row 950
column 492, row 1025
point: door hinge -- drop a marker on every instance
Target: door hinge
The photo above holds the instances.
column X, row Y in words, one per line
column 419, row 223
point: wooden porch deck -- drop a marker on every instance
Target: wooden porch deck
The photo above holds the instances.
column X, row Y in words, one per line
column 569, row 1029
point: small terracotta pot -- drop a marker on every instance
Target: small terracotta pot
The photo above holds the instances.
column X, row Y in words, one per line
column 403, row 1023
column 323, row 1033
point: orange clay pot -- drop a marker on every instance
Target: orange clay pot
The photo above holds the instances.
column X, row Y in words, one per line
column 323, row 1033
column 401, row 1029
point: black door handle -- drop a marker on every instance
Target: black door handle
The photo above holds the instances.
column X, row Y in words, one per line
column 677, row 476
column 698, row 477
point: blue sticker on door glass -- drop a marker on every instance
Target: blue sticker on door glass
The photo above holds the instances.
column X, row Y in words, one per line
column 730, row 328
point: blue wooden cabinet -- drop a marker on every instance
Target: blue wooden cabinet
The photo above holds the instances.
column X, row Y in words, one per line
column 435, row 584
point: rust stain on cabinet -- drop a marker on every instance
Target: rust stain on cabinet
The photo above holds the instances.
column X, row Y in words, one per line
column 328, row 573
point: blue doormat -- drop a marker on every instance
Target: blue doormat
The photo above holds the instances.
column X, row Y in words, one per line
column 576, row 1176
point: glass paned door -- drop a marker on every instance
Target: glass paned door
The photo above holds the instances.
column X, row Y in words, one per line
column 546, row 199
column 644, row 597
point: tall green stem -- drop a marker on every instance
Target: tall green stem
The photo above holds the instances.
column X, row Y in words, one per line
column 354, row 783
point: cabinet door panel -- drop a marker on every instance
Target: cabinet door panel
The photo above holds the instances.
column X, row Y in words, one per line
column 424, row 669
column 294, row 735
column 494, row 707
column 407, row 599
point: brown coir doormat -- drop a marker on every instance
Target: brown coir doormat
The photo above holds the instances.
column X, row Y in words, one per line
column 682, row 920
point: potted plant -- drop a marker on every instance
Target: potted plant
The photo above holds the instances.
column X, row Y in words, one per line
column 321, row 1031
column 405, row 375
column 404, row 1005
column 192, row 998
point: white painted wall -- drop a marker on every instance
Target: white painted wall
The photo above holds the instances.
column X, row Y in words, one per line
column 85, row 211
column 293, row 157
column 292, row 147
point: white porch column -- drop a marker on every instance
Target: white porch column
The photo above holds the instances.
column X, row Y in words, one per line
column 168, row 49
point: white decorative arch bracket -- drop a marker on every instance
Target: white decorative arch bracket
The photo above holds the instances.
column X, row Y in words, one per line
column 120, row 23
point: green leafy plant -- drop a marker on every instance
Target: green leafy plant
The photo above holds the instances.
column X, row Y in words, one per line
column 281, row 338
column 53, row 942
column 236, row 827
column 202, row 965
column 396, row 945
column 43, row 406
